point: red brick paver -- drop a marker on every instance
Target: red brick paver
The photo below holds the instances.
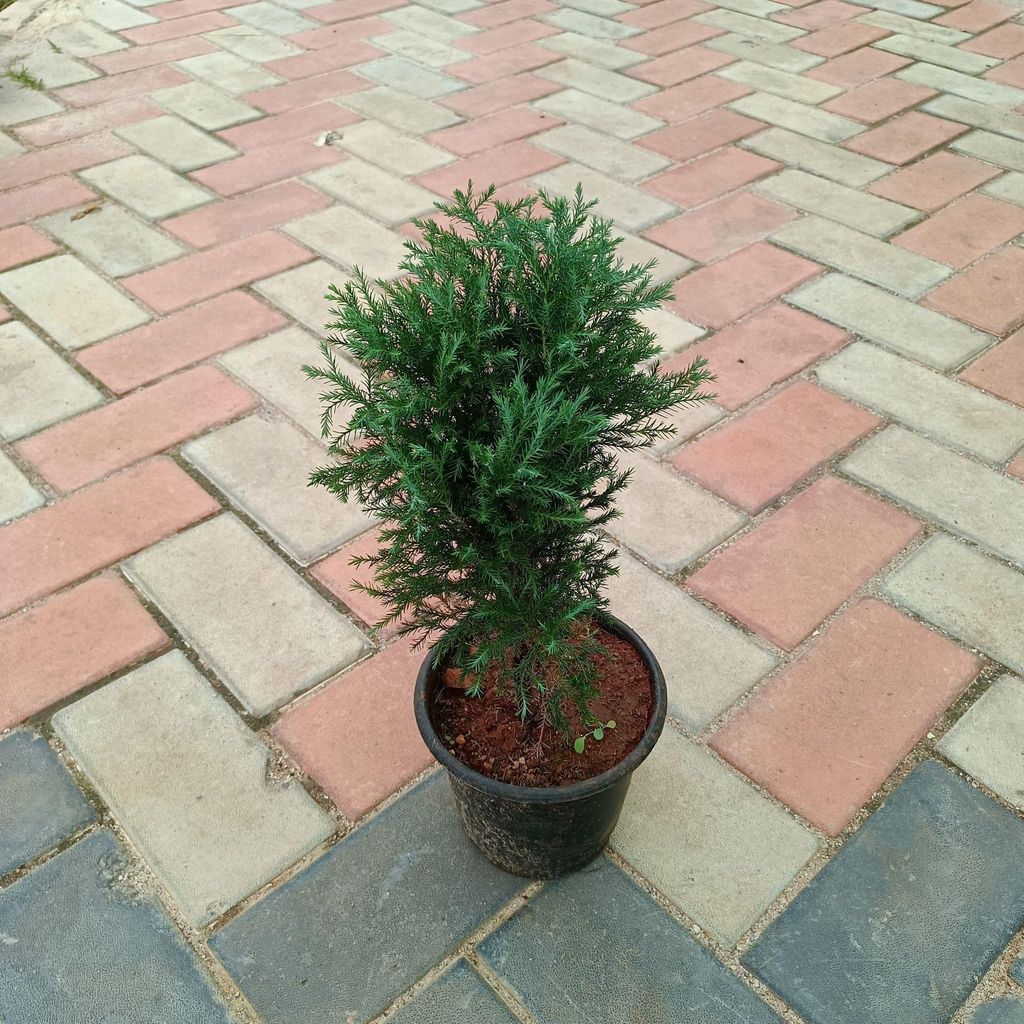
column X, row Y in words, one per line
column 70, row 641
column 799, row 566
column 369, row 711
column 825, row 733
column 763, row 453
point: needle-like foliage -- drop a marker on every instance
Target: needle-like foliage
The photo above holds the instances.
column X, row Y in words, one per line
column 498, row 379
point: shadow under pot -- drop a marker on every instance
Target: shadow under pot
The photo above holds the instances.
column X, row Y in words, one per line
column 550, row 831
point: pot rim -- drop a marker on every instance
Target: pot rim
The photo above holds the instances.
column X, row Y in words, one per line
column 550, row 794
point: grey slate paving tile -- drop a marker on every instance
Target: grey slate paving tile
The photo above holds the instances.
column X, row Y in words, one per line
column 39, row 803
column 640, row 964
column 1000, row 1011
column 900, row 926
column 457, row 997
column 345, row 937
column 87, row 950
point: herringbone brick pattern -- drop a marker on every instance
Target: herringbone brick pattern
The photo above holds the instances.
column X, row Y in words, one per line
column 828, row 561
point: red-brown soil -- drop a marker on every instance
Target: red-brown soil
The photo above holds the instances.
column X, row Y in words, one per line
column 487, row 733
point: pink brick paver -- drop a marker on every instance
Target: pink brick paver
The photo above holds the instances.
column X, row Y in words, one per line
column 71, row 641
column 96, row 527
column 669, row 38
column 802, row 563
column 22, row 244
column 154, row 350
column 710, row 176
column 877, row 100
column 823, row 734
column 42, row 198
column 699, row 135
column 934, row 181
column 858, row 67
column 76, row 123
column 762, row 454
column 494, row 130
column 752, row 277
column 370, row 711
column 338, row 575
column 246, row 214
column 722, row 226
column 216, row 270
column 964, row 231
column 674, row 68
column 905, row 138
column 74, row 155
column 132, row 428
column 834, row 619
column 1001, row 370
column 751, row 355
column 989, row 295
column 1004, row 42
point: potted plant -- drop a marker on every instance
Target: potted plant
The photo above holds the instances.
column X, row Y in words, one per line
column 501, row 374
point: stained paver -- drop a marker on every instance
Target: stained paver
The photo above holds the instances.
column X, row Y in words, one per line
column 76, row 923
column 642, row 962
column 863, row 939
column 402, row 916
column 190, row 784
column 709, row 841
column 209, row 581
column 41, row 804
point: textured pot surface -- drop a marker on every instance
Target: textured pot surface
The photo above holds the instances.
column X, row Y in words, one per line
column 542, row 832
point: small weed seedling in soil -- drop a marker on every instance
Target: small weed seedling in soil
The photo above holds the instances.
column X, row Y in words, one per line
column 24, row 78
column 597, row 732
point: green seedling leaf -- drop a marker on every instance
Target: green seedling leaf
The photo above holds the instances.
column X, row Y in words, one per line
column 580, row 745
column 610, row 725
column 599, row 733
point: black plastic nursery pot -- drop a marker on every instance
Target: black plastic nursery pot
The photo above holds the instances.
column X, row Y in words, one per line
column 541, row 832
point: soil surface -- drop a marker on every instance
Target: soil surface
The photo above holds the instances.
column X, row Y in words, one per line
column 487, row 734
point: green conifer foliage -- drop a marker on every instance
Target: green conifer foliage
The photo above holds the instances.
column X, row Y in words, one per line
column 500, row 377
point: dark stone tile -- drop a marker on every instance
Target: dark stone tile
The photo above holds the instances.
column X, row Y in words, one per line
column 595, row 947
column 457, row 997
column 81, row 948
column 39, row 802
column 900, row 926
column 354, row 930
column 1000, row 1011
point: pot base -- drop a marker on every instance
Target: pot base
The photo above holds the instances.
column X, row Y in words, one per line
column 542, row 832
column 539, row 840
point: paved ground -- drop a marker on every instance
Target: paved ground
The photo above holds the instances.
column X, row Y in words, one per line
column 213, row 803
